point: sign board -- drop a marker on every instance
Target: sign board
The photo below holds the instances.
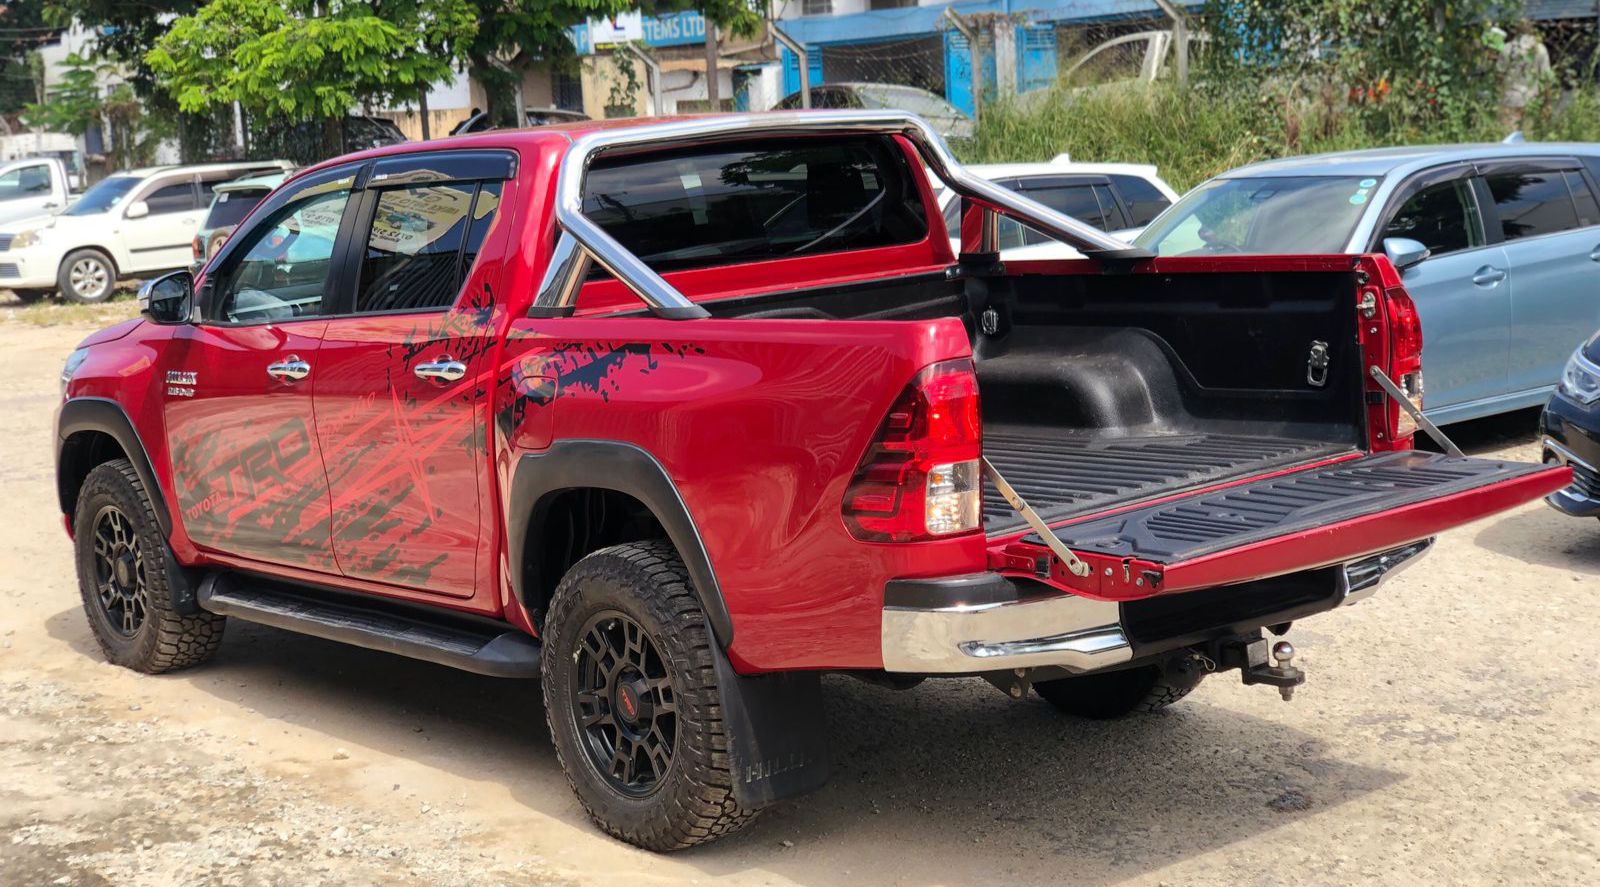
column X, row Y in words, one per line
column 677, row 29
column 625, row 27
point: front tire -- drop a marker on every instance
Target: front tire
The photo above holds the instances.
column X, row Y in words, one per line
column 631, row 697
column 1114, row 694
column 87, row 276
column 122, row 577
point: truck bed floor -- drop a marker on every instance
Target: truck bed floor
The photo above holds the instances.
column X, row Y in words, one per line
column 1063, row 473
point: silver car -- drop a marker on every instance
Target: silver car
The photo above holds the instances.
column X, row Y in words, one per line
column 1499, row 246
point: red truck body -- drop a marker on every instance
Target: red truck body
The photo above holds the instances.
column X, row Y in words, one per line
column 368, row 479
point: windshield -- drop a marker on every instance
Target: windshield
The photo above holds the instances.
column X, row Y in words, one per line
column 1288, row 215
column 103, row 196
column 900, row 98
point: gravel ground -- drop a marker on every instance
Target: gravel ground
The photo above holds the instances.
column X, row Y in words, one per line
column 1446, row 735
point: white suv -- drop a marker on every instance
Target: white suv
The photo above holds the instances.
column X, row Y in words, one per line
column 129, row 224
column 1118, row 198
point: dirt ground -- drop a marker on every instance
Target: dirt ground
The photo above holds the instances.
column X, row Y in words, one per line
column 1446, row 735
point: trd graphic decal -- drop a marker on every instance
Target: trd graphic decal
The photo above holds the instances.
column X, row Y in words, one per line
column 267, row 498
column 565, row 369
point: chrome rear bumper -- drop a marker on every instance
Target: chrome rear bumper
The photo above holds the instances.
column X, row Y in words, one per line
column 978, row 629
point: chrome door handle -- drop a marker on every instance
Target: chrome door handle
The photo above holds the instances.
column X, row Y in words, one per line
column 442, row 370
column 1594, row 254
column 1488, row 275
column 290, row 369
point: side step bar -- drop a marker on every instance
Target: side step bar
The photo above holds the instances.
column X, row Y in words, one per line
column 487, row 650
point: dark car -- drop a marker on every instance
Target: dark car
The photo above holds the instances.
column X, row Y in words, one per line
column 481, row 122
column 1570, row 428
column 945, row 117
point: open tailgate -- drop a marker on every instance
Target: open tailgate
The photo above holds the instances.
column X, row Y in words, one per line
column 1282, row 524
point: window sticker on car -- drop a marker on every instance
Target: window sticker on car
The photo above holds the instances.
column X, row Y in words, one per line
column 410, row 219
column 1359, row 197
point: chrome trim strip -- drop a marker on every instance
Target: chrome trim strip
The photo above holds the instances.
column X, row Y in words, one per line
column 557, row 291
column 1358, row 580
column 1567, row 456
column 1072, row 632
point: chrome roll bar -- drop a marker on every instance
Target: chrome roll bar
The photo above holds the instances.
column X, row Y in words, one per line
column 582, row 241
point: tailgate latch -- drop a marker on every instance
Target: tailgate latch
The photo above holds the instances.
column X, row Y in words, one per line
column 1074, row 564
column 1317, row 364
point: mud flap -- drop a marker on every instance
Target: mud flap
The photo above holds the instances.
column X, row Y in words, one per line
column 776, row 732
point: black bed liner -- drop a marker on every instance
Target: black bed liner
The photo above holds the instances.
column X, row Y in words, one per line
column 1182, row 529
column 1066, row 473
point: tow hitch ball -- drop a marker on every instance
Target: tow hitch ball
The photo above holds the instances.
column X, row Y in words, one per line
column 1251, row 658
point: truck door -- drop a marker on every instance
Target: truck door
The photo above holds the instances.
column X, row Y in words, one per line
column 405, row 373
column 158, row 225
column 237, row 396
column 27, row 189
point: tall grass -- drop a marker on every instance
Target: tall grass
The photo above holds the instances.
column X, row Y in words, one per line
column 1192, row 134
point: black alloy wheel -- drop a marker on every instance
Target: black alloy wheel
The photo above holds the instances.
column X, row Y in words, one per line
column 624, row 704
column 119, row 572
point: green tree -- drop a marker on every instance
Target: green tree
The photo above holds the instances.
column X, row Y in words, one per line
column 305, row 60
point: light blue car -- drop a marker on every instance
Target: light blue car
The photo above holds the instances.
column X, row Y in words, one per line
column 1499, row 246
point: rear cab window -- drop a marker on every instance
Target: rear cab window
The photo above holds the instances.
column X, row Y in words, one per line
column 750, row 202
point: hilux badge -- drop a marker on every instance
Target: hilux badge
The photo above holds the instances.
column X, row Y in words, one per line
column 180, row 382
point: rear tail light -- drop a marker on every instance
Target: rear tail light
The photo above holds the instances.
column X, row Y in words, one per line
column 920, row 477
column 1405, row 358
column 198, row 247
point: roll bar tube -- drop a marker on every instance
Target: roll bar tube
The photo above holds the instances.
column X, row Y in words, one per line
column 582, row 241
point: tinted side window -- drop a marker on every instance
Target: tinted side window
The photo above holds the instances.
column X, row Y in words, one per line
column 174, row 198
column 769, row 200
column 1143, row 200
column 283, row 272
column 1114, row 220
column 1532, row 203
column 1440, row 216
column 1078, row 201
column 1583, row 199
column 414, row 257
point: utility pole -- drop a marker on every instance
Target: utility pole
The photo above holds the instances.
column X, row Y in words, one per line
column 712, row 87
column 800, row 56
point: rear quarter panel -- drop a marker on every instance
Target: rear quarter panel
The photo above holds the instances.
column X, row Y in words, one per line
column 760, row 424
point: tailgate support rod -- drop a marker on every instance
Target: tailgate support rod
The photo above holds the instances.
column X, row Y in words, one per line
column 1423, row 422
column 1074, row 564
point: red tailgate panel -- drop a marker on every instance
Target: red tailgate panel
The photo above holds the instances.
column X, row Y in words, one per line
column 1297, row 521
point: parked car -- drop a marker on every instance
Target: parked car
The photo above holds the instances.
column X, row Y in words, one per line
column 305, row 143
column 1119, row 198
column 29, row 188
column 479, row 121
column 1498, row 245
column 945, row 117
column 129, row 224
column 751, row 451
column 1570, row 430
column 230, row 203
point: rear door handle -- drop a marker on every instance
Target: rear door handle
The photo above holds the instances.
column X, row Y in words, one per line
column 442, row 370
column 1488, row 275
column 290, row 369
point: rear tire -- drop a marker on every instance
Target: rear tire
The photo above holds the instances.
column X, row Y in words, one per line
column 1114, row 694
column 30, row 296
column 87, row 276
column 122, row 577
column 632, row 701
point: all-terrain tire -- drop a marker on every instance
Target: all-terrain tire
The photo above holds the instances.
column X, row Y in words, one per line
column 1113, row 694
column 163, row 639
column 87, row 276
column 644, row 585
column 30, row 296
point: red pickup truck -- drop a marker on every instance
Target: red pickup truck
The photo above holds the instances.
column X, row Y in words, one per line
column 675, row 416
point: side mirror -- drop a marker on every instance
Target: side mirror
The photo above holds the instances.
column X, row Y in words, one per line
column 1404, row 252
column 168, row 299
column 137, row 210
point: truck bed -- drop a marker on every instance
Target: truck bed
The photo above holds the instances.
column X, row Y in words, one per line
column 1068, row 472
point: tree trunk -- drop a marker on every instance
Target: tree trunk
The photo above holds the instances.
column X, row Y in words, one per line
column 422, row 104
column 712, row 86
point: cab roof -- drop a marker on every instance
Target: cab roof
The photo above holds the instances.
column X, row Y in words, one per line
column 1403, row 160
